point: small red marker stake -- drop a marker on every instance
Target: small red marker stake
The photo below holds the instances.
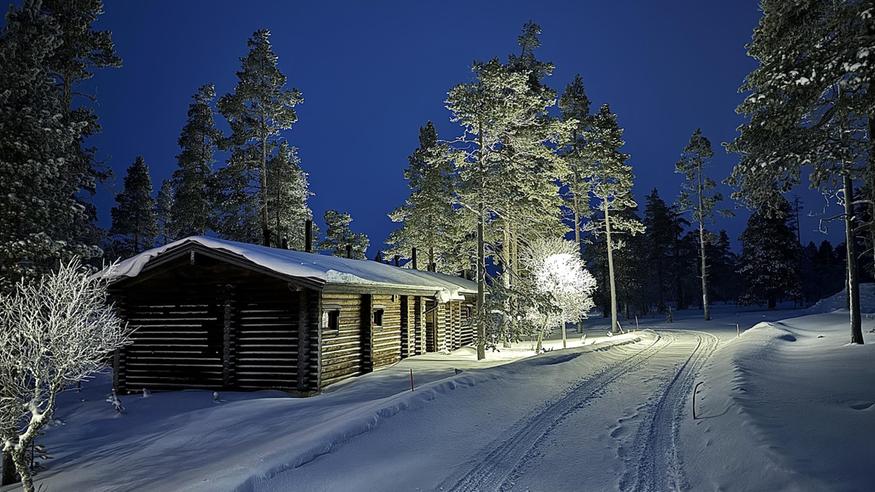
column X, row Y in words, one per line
column 411, row 379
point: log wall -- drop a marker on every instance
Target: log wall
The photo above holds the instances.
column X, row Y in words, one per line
column 212, row 325
column 342, row 354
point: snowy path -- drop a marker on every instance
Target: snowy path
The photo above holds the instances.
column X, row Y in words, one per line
column 652, row 462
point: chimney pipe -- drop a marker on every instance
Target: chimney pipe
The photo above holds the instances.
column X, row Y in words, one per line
column 413, row 258
column 308, row 235
column 349, row 250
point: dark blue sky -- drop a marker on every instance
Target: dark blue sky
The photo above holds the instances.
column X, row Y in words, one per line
column 373, row 72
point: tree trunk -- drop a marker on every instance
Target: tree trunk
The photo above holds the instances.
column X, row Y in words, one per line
column 701, row 213
column 507, row 268
column 22, row 467
column 265, row 225
column 579, row 241
column 7, row 470
column 853, row 280
column 481, row 257
column 614, row 325
column 871, row 197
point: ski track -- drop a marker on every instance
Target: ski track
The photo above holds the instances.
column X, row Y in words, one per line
column 653, row 449
column 654, row 462
column 504, row 455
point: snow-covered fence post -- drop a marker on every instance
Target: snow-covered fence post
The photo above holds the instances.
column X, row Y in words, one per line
column 636, row 323
column 695, row 390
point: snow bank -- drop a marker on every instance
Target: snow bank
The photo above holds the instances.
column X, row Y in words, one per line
column 320, row 268
column 183, row 440
column 787, row 406
column 839, row 301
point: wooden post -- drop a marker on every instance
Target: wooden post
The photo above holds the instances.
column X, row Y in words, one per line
column 367, row 334
column 411, row 380
column 228, row 336
column 308, row 236
column 303, row 341
column 696, row 389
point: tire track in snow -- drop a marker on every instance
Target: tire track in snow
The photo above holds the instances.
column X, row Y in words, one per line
column 655, row 463
column 504, row 455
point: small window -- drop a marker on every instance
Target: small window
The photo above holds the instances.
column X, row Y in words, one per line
column 331, row 319
column 378, row 317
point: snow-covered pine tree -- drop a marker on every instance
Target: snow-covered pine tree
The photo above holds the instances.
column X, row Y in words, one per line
column 288, row 192
column 163, row 206
column 134, row 224
column 82, row 50
column 575, row 105
column 339, row 236
column 809, row 104
column 427, row 217
column 258, row 110
column 611, row 183
column 38, row 205
column 699, row 198
column 192, row 212
column 769, row 263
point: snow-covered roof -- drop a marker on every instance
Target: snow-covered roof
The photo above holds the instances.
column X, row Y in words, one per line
column 327, row 270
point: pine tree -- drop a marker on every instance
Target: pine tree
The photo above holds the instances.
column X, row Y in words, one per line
column 809, row 105
column 82, row 51
column 192, row 212
column 611, row 184
column 339, row 237
column 663, row 226
column 288, row 192
column 134, row 224
column 163, row 206
column 258, row 110
column 38, row 205
column 769, row 263
column 427, row 217
column 699, row 198
column 723, row 263
column 574, row 105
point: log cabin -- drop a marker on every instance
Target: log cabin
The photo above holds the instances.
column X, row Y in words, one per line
column 216, row 314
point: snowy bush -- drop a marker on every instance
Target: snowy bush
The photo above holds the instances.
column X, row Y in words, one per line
column 54, row 332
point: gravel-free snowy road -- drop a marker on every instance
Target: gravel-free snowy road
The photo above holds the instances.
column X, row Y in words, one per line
column 613, row 425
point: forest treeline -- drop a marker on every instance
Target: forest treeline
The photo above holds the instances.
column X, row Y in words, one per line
column 526, row 162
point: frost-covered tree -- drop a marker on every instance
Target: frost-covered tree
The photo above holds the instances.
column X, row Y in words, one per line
column 258, row 110
column 575, row 106
column 428, row 218
column 699, row 198
column 560, row 276
column 809, row 105
column 611, row 184
column 503, row 150
column 288, row 192
column 192, row 209
column 163, row 206
column 339, row 236
column 38, row 205
column 54, row 332
column 81, row 52
column 134, row 222
column 769, row 263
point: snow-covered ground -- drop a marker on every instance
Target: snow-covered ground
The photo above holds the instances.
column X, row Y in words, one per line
column 781, row 409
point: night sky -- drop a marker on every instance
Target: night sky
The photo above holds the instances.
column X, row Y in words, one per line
column 373, row 72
